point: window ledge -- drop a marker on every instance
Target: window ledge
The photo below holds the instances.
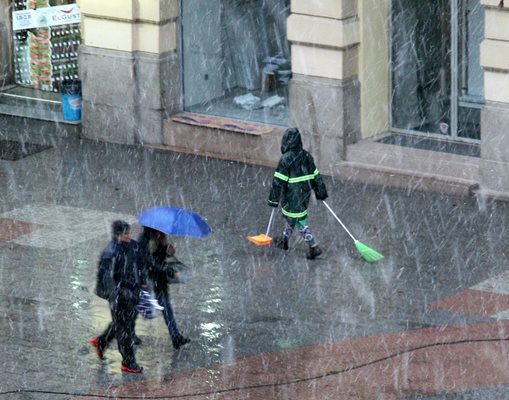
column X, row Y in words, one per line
column 223, row 123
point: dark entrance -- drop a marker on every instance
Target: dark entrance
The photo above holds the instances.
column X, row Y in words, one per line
column 236, row 59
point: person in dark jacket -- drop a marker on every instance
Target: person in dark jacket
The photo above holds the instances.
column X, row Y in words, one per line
column 158, row 256
column 296, row 176
column 122, row 258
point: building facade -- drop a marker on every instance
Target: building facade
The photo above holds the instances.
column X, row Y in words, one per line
column 225, row 78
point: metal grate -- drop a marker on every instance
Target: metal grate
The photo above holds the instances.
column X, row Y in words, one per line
column 11, row 150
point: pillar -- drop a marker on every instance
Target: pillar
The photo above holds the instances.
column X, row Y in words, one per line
column 324, row 92
column 129, row 69
column 5, row 43
column 494, row 164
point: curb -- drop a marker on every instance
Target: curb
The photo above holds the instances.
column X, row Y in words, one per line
column 405, row 179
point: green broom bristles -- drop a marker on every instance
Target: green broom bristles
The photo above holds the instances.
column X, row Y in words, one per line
column 368, row 253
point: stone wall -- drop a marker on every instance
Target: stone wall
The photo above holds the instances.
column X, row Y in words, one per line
column 129, row 69
column 325, row 91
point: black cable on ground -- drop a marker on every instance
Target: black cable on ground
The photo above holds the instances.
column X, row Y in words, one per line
column 258, row 386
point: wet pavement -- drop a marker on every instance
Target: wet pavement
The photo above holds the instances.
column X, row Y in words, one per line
column 427, row 322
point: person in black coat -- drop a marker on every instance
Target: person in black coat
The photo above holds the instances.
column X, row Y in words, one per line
column 158, row 256
column 295, row 178
column 121, row 267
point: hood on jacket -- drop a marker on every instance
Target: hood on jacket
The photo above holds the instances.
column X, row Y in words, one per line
column 291, row 140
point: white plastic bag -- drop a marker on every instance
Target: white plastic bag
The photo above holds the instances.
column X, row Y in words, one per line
column 148, row 305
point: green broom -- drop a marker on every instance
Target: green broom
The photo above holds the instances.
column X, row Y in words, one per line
column 366, row 252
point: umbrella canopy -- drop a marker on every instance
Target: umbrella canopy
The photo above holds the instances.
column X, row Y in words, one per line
column 174, row 221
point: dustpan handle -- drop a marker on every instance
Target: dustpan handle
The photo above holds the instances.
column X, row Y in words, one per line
column 335, row 216
column 270, row 221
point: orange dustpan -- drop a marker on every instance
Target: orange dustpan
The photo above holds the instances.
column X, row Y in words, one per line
column 263, row 239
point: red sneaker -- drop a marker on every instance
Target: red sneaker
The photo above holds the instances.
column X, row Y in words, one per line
column 99, row 347
column 133, row 368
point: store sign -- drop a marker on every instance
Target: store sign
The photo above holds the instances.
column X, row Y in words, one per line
column 46, row 17
column 23, row 19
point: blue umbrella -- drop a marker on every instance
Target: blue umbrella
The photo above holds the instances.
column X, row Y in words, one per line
column 174, row 221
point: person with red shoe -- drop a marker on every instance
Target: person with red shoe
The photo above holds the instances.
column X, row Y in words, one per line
column 122, row 257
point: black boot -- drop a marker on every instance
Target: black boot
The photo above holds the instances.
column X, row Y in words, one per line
column 179, row 341
column 281, row 242
column 313, row 252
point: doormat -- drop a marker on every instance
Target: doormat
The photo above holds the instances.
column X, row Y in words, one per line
column 423, row 143
column 11, row 150
column 227, row 124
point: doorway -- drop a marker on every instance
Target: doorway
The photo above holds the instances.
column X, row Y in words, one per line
column 436, row 77
column 236, row 59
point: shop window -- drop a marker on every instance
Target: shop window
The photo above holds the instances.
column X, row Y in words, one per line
column 45, row 42
column 236, row 59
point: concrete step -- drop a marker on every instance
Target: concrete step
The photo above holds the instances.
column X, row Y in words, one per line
column 15, row 127
column 415, row 169
column 46, row 109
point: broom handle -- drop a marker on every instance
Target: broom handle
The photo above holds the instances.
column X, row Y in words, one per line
column 270, row 221
column 343, row 225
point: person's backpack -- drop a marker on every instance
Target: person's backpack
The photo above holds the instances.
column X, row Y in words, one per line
column 105, row 285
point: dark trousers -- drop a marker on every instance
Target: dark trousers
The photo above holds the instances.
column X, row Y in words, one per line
column 108, row 335
column 303, row 227
column 164, row 300
column 123, row 316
